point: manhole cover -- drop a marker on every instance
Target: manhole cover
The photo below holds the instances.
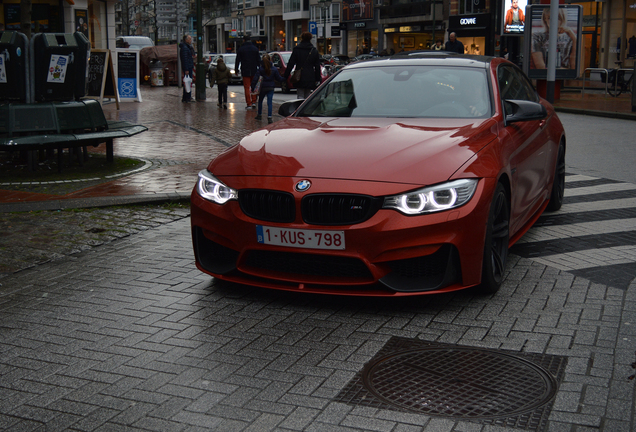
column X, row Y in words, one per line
column 488, row 386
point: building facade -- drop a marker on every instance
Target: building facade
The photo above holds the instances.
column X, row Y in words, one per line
column 95, row 18
column 349, row 27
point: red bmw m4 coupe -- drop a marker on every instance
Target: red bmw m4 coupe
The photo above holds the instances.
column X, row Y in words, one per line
column 406, row 175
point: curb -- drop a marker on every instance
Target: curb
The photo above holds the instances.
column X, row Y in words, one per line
column 94, row 202
column 609, row 114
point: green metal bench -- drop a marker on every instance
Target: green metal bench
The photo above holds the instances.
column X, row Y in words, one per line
column 59, row 125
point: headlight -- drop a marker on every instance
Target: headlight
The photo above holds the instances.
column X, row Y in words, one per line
column 433, row 199
column 213, row 190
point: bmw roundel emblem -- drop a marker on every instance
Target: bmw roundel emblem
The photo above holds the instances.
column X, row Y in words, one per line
column 303, row 185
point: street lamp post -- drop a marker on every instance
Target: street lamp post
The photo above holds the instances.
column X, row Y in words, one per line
column 324, row 5
column 241, row 30
column 200, row 87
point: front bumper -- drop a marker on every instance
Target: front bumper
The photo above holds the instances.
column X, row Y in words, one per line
column 387, row 255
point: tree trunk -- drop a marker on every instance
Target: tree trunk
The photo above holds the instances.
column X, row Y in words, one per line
column 25, row 17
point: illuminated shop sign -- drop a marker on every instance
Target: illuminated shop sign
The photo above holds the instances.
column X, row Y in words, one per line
column 403, row 29
column 469, row 22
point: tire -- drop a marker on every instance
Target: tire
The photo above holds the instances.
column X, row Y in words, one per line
column 496, row 243
column 558, row 186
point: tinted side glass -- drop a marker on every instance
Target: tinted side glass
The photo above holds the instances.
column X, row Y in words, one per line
column 529, row 89
column 513, row 85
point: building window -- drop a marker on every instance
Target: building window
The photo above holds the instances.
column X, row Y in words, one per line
column 292, row 6
column 472, row 6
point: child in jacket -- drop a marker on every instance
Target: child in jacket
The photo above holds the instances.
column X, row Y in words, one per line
column 221, row 76
column 270, row 75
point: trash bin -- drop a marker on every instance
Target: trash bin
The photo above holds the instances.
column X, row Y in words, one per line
column 156, row 73
column 14, row 64
column 54, row 66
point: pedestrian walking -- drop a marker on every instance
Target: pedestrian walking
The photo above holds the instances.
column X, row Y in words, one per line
column 221, row 76
column 269, row 77
column 453, row 45
column 247, row 61
column 305, row 56
column 186, row 53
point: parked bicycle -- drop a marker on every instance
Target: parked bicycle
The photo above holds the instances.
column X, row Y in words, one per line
column 617, row 83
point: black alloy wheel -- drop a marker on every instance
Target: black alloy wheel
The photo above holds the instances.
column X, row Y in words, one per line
column 558, row 187
column 496, row 244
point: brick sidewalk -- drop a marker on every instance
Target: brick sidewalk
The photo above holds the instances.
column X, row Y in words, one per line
column 131, row 336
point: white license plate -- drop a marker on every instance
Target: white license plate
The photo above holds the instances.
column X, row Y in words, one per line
column 309, row 239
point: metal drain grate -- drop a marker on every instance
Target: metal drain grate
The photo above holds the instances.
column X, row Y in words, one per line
column 487, row 386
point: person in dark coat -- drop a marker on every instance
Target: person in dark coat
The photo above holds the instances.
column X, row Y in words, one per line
column 186, row 54
column 453, row 45
column 306, row 57
column 248, row 60
column 270, row 76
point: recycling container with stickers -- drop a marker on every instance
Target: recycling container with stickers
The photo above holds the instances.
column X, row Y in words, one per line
column 14, row 66
column 54, row 66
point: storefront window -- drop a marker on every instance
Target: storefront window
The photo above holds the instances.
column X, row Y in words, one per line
column 362, row 42
column 45, row 17
column 615, row 41
column 97, row 24
column 630, row 14
column 473, row 45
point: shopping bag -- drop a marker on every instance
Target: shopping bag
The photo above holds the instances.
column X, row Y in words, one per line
column 295, row 78
column 257, row 88
column 187, row 83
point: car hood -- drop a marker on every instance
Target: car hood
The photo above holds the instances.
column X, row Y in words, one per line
column 417, row 151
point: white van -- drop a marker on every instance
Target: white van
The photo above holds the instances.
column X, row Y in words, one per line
column 133, row 42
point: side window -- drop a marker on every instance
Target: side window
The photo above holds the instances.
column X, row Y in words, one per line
column 276, row 60
column 513, row 85
column 527, row 85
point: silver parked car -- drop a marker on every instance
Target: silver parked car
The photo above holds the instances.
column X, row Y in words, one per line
column 230, row 61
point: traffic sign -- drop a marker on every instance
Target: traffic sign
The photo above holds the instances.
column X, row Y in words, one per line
column 313, row 27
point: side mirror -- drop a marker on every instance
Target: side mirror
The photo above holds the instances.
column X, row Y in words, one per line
column 289, row 107
column 521, row 110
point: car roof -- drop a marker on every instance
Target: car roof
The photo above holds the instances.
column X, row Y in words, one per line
column 426, row 58
column 136, row 39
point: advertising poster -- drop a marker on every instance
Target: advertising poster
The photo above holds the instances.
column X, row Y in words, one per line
column 128, row 75
column 57, row 69
column 514, row 18
column 568, row 41
column 81, row 21
column 353, row 10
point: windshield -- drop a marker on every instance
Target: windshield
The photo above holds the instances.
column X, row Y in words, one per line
column 229, row 59
column 403, row 91
column 134, row 42
column 286, row 57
